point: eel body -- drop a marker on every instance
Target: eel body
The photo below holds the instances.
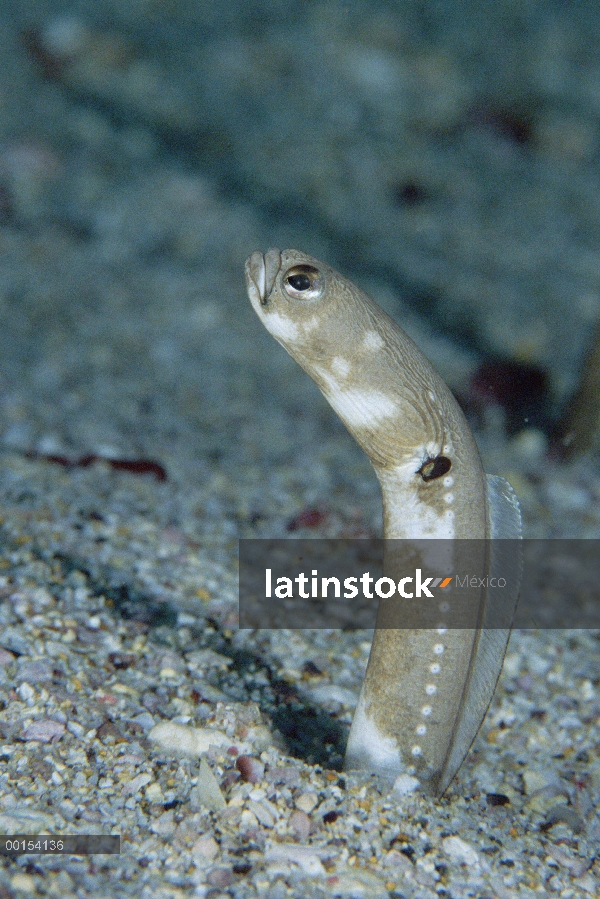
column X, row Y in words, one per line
column 426, row 691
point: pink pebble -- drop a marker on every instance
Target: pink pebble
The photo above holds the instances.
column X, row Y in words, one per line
column 250, row 768
column 45, row 730
column 300, row 823
column 288, row 776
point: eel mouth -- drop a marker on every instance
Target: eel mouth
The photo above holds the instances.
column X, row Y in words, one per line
column 261, row 273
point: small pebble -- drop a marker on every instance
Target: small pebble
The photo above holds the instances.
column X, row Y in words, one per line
column 164, row 825
column 129, row 789
column 460, row 851
column 404, row 784
column 154, row 792
column 576, row 866
column 535, row 780
column 221, row 877
column 26, row 692
column 562, row 813
column 23, row 882
column 45, row 730
column 260, row 736
column 358, row 885
column 250, row 768
column 398, row 860
column 587, row 883
column 207, row 792
column 300, row 823
column 207, row 658
column 36, row 672
column 190, row 741
column 288, row 776
column 306, row 802
column 262, row 813
column 205, row 847
column 305, row 857
column 330, row 694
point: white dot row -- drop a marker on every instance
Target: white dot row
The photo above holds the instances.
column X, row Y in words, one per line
column 430, row 690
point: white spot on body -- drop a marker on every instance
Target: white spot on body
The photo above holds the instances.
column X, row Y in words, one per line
column 431, row 689
column 448, row 481
column 435, row 668
column 311, row 324
column 439, row 647
column 340, row 366
column 370, row 749
column 426, row 711
column 326, row 381
column 416, row 750
column 449, row 498
column 408, row 511
column 372, row 341
column 421, row 730
column 362, row 408
column 280, row 327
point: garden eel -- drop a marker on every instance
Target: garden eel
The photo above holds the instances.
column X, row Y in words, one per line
column 426, row 691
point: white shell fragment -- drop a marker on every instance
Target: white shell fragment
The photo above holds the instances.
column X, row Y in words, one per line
column 179, row 739
column 207, row 792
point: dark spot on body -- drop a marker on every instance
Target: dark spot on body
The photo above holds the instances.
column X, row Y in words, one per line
column 434, row 468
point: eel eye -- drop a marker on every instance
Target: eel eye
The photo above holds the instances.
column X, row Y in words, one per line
column 434, row 468
column 303, row 282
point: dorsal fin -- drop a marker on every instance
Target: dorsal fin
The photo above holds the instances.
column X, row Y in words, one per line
column 489, row 649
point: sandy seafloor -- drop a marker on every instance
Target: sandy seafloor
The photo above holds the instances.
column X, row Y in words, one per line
column 444, row 155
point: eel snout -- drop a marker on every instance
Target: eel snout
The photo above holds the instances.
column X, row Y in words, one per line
column 261, row 272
